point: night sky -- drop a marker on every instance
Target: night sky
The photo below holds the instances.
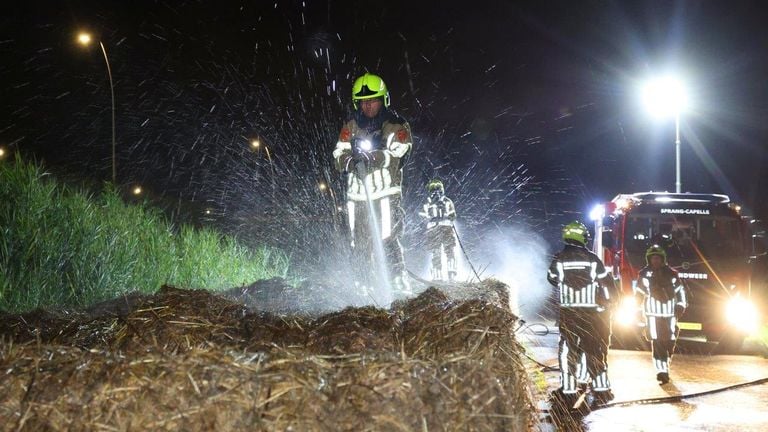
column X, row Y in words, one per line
column 529, row 112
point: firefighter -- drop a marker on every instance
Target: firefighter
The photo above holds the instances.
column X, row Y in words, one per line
column 371, row 150
column 440, row 213
column 663, row 295
column 586, row 292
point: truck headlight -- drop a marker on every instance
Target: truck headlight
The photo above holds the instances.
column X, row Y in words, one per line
column 742, row 314
column 626, row 313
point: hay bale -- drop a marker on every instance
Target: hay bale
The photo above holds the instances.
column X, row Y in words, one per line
column 353, row 330
column 177, row 319
column 59, row 388
column 40, row 325
column 264, row 331
column 190, row 360
column 278, row 296
column 489, row 290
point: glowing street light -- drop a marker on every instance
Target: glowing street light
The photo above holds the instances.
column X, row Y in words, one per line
column 323, row 186
column 665, row 97
column 137, row 190
column 3, row 153
column 85, row 39
column 256, row 145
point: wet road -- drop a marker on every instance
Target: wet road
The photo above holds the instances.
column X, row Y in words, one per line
column 633, row 377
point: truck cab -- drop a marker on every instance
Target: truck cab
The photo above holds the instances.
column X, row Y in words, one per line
column 708, row 242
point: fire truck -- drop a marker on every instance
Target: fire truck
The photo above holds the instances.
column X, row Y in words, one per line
column 715, row 250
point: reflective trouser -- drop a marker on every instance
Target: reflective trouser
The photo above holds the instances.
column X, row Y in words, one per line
column 583, row 349
column 663, row 333
column 390, row 218
column 439, row 238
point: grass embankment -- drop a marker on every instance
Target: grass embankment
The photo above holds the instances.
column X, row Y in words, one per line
column 65, row 247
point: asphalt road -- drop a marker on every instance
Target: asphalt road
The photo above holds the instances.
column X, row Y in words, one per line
column 633, row 377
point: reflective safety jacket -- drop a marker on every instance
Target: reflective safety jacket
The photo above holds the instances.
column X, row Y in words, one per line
column 662, row 290
column 390, row 140
column 581, row 278
column 439, row 211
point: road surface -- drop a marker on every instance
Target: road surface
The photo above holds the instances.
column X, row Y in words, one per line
column 633, row 377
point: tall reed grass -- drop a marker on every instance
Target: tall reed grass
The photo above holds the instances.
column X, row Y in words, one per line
column 66, row 247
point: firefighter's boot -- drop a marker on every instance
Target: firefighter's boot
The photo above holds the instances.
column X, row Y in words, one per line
column 563, row 403
column 601, row 397
column 452, row 269
column 401, row 288
column 437, row 274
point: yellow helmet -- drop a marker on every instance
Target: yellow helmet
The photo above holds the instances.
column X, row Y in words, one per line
column 576, row 232
column 369, row 86
column 435, row 184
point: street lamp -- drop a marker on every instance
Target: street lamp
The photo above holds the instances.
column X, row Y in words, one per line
column 665, row 97
column 85, row 40
column 323, row 186
column 137, row 190
column 256, row 145
column 2, row 153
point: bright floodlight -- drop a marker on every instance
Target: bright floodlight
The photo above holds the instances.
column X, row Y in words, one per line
column 743, row 314
column 597, row 212
column 323, row 186
column 84, row 38
column 665, row 96
column 2, row 152
column 137, row 190
column 627, row 312
column 255, row 143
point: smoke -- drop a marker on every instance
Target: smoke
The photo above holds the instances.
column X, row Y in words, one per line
column 519, row 257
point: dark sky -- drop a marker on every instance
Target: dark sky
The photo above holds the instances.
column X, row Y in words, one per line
column 528, row 110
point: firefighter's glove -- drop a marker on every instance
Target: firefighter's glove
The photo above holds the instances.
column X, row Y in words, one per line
column 679, row 311
column 603, row 303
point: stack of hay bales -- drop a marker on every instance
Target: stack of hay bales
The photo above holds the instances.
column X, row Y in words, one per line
column 189, row 360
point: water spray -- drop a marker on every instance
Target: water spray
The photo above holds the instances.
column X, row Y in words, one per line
column 378, row 244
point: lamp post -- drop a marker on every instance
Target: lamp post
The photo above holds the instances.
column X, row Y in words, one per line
column 324, row 187
column 664, row 97
column 85, row 40
column 256, row 146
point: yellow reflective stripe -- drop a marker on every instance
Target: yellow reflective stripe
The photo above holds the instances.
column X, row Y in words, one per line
column 689, row 326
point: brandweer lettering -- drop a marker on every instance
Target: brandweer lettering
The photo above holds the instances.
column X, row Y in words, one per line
column 685, row 211
column 692, row 275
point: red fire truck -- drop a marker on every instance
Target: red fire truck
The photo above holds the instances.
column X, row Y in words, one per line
column 714, row 249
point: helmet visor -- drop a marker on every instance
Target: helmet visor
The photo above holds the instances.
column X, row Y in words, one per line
column 366, row 92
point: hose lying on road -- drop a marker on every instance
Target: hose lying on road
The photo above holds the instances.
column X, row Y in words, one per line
column 648, row 401
column 679, row 398
column 523, row 327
